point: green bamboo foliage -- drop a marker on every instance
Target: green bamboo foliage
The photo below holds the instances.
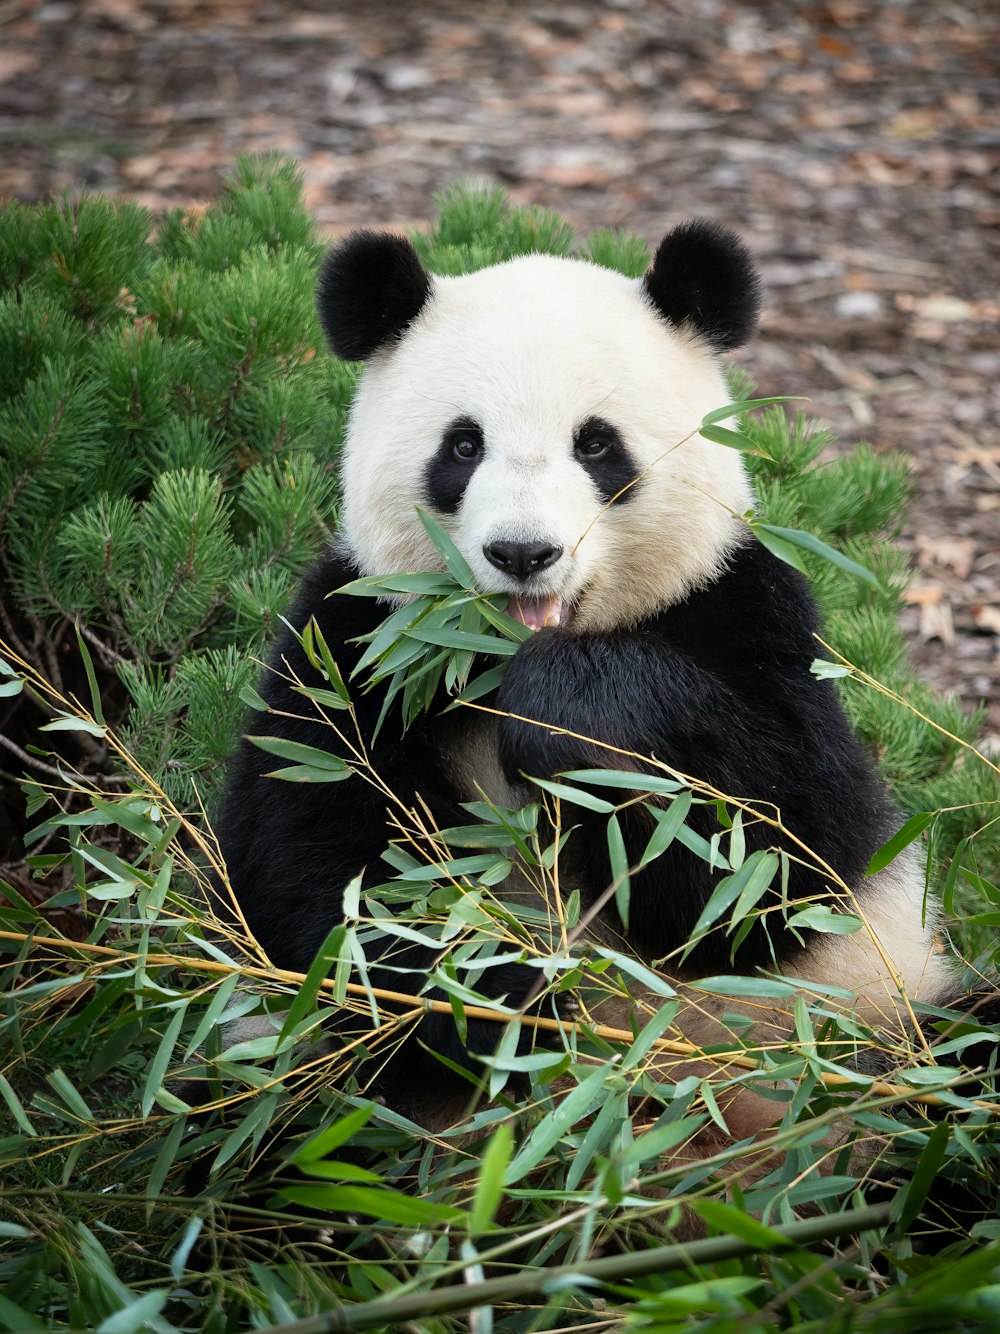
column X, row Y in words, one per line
column 137, row 1107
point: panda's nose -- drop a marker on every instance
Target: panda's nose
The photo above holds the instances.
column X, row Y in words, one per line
column 522, row 559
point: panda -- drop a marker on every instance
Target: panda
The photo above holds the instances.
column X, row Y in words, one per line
column 545, row 412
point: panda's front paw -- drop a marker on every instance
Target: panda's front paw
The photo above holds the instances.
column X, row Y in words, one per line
column 538, row 749
column 551, row 681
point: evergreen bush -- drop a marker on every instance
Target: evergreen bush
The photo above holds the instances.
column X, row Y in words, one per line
column 169, row 430
column 168, row 439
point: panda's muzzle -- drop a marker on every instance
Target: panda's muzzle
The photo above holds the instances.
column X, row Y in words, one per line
column 523, row 560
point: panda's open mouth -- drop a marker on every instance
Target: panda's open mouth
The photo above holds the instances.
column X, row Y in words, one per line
column 539, row 613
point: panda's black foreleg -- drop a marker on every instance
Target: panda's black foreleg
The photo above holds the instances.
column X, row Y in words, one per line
column 590, row 696
column 747, row 719
column 644, row 704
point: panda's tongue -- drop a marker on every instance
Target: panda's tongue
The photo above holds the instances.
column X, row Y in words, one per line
column 536, row 613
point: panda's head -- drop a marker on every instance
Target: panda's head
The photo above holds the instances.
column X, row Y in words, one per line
column 546, row 411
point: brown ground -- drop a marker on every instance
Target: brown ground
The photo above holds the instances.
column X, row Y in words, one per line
column 856, row 145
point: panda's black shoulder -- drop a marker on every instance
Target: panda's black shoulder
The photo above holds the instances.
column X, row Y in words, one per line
column 756, row 600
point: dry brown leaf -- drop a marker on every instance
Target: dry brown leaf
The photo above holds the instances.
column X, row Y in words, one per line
column 14, row 63
column 954, row 553
column 944, row 308
column 987, row 618
column 937, row 622
column 924, row 594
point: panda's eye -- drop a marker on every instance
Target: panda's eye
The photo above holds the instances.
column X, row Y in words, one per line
column 605, row 457
column 464, row 442
column 592, row 447
column 595, row 440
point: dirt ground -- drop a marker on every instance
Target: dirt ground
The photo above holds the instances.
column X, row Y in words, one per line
column 856, row 146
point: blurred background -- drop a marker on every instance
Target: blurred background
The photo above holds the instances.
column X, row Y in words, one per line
column 855, row 145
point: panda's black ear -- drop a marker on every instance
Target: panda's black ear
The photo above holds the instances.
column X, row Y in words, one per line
column 704, row 277
column 371, row 287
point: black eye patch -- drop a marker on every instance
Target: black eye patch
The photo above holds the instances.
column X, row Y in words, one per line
column 449, row 471
column 603, row 454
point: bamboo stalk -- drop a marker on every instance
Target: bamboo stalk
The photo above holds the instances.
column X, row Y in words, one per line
column 391, row 1312
column 829, row 1078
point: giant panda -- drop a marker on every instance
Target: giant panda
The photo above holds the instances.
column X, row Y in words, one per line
column 545, row 412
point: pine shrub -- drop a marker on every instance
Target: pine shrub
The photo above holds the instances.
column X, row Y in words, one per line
column 169, row 430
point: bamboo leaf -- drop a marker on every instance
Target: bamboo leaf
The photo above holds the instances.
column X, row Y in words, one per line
column 828, row 671
column 821, row 917
column 254, row 1123
column 752, row 879
column 310, row 756
column 482, row 685
column 430, row 583
column 651, row 1031
column 88, row 667
column 948, row 893
column 253, row 699
column 795, row 537
column 388, row 633
column 613, row 1113
column 329, row 665
column 620, row 877
column 307, row 773
column 669, row 824
column 778, row 546
column 578, row 796
column 507, row 625
column 164, row 1162
column 457, row 566
column 489, row 1186
column 909, row 833
column 457, row 868
column 577, row 1104
column 729, row 1221
column 68, row 723
column 909, row 1201
column 747, row 405
column 330, row 1169
column 463, row 639
column 723, row 435
column 185, row 1246
column 213, row 1012
column 16, row 1232
column 653, row 981
column 388, row 1205
column 621, row 778
column 15, row 1107
column 69, row 1094
column 136, row 1315
column 737, row 842
column 304, row 1001
column 658, row 1140
column 744, row 986
column 160, row 1062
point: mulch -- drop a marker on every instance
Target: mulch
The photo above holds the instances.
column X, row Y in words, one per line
column 856, row 146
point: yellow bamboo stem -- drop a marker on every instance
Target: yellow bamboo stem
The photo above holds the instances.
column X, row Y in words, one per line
column 830, row 1079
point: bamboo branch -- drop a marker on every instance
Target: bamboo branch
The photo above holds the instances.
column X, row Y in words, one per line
column 392, row 1312
column 687, row 1050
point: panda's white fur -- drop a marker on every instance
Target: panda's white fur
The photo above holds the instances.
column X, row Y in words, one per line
column 897, row 956
column 530, row 356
